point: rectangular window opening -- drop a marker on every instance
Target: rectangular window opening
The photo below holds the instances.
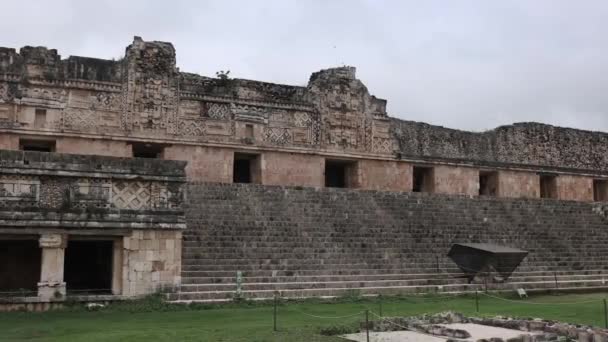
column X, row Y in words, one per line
column 147, row 150
column 488, row 183
column 40, row 118
column 88, row 266
column 423, row 179
column 20, row 263
column 246, row 168
column 340, row 173
column 548, row 186
column 37, row 145
column 600, row 190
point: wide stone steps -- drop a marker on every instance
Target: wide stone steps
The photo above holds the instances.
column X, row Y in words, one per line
column 349, row 271
column 287, row 285
column 371, row 258
column 346, row 266
column 547, row 276
column 330, row 242
column 383, row 290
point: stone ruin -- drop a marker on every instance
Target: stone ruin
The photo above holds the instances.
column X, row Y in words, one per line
column 452, row 327
column 158, row 179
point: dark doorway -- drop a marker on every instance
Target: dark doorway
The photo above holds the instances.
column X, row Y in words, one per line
column 600, row 190
column 488, row 183
column 88, row 266
column 37, row 145
column 340, row 173
column 548, row 186
column 146, row 150
column 19, row 267
column 422, row 179
column 246, row 168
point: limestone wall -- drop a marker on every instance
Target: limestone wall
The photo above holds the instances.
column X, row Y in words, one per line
column 575, row 188
column 518, row 184
column 211, row 164
column 384, row 175
column 456, row 180
column 292, row 169
column 151, row 261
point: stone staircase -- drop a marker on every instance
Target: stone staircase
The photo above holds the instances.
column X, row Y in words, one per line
column 330, row 242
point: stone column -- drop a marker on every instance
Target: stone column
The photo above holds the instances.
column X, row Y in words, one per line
column 51, row 285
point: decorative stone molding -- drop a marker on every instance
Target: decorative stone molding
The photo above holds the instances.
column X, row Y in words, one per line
column 72, row 191
column 52, row 241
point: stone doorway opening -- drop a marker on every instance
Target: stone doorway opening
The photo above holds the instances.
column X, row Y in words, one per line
column 20, row 263
column 246, row 168
column 423, row 179
column 548, row 186
column 600, row 190
column 88, row 266
column 340, row 173
column 488, row 183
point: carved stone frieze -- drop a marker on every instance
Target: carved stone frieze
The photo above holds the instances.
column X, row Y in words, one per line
column 277, row 136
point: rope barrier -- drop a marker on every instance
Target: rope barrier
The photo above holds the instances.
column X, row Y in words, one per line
column 440, row 297
column 326, row 317
column 536, row 303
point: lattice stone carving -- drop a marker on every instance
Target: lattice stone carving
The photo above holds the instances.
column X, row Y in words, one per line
column 276, row 135
column 3, row 92
column 192, row 128
column 383, row 145
column 139, row 195
column 316, row 132
column 219, row 111
column 302, row 119
column 19, row 190
column 83, row 119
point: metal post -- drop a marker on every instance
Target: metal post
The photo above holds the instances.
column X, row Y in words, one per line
column 555, row 277
column 437, row 262
column 476, row 301
column 367, row 324
column 485, row 280
column 605, row 314
column 275, row 313
column 380, row 305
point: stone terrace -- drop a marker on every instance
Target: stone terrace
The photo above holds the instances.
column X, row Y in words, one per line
column 326, row 242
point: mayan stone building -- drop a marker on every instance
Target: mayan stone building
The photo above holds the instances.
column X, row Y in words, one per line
column 117, row 179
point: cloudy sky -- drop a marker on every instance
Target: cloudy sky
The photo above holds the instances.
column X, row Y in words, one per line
column 471, row 65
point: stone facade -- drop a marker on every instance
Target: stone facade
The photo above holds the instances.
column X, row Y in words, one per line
column 127, row 213
column 92, row 106
column 91, row 194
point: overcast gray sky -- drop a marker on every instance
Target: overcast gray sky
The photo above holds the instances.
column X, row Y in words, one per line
column 471, row 65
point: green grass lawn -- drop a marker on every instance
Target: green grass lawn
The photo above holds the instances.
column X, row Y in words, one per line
column 153, row 321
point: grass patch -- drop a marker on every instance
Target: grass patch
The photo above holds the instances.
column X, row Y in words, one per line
column 153, row 319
